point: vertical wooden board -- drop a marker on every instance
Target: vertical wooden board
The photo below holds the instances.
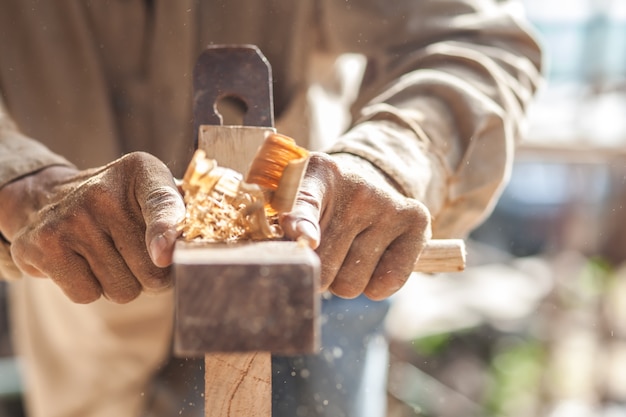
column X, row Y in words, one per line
column 238, row 385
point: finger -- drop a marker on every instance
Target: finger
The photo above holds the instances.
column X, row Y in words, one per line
column 296, row 228
column 161, row 205
column 40, row 252
column 24, row 264
column 163, row 210
column 57, row 261
column 394, row 267
column 332, row 251
column 128, row 239
column 161, row 240
column 359, row 264
column 75, row 278
column 303, row 222
column 110, row 269
column 27, row 255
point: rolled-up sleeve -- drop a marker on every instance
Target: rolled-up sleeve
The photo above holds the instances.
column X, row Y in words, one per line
column 19, row 156
column 442, row 104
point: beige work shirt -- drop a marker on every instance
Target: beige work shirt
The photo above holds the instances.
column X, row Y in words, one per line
column 431, row 92
column 439, row 108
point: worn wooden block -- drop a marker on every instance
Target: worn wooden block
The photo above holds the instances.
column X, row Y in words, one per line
column 249, row 296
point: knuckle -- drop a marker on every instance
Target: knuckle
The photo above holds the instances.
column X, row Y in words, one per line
column 138, row 158
column 97, row 195
column 142, row 163
column 167, row 200
column 416, row 209
column 375, row 293
column 82, row 295
column 39, row 245
column 126, row 295
column 157, row 281
column 20, row 248
column 317, row 160
column 347, row 287
column 384, row 287
column 344, row 291
column 322, row 166
column 416, row 215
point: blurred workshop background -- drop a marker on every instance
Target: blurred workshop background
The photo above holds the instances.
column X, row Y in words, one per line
column 536, row 326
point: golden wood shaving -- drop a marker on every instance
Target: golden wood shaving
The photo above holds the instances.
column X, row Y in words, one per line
column 221, row 207
column 277, row 168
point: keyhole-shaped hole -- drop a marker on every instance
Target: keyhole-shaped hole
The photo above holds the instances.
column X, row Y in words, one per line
column 231, row 110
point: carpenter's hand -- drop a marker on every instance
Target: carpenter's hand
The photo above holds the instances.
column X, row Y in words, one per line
column 107, row 231
column 367, row 234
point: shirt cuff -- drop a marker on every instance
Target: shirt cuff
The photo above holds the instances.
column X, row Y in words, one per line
column 33, row 156
column 403, row 156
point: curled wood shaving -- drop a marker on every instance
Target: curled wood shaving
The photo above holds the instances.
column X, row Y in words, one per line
column 221, row 207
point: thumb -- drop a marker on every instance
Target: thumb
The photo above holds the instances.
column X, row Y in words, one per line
column 303, row 222
column 162, row 208
column 300, row 228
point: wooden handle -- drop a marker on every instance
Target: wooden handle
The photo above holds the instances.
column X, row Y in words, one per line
column 442, row 255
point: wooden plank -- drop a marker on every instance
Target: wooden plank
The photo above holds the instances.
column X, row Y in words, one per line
column 238, row 385
column 442, row 255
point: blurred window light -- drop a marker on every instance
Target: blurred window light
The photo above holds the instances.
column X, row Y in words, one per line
column 584, row 44
column 585, row 40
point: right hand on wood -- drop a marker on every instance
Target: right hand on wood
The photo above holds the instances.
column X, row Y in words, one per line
column 106, row 231
column 367, row 234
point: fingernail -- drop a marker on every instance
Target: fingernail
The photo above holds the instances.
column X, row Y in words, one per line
column 307, row 230
column 157, row 247
column 161, row 247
